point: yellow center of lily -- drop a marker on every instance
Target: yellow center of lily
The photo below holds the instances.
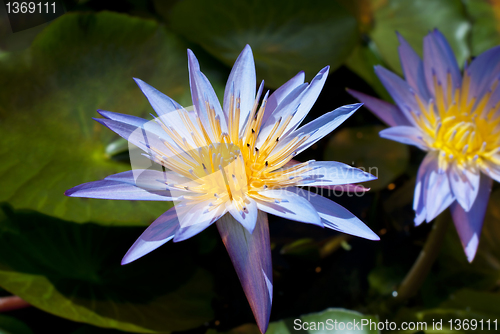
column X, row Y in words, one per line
column 232, row 167
column 459, row 126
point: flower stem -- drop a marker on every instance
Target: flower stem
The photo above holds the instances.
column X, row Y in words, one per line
column 417, row 274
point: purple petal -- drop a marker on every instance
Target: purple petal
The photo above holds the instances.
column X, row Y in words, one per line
column 158, row 233
column 279, row 94
column 409, row 135
column 324, row 173
column 439, row 60
column 243, row 79
column 137, row 122
column 432, row 191
column 109, row 189
column 319, row 127
column 337, row 217
column 413, row 68
column 308, row 98
column 151, row 135
column 465, row 186
column 387, row 112
column 195, row 218
column 484, row 70
column 287, row 107
column 492, row 169
column 250, row 254
column 246, row 218
column 202, row 93
column 400, row 91
column 160, row 102
column 290, row 206
column 469, row 224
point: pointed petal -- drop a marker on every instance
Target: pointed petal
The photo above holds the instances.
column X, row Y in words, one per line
column 319, row 127
column 308, row 98
column 203, row 93
column 413, row 68
column 287, row 107
column 387, row 112
column 465, row 186
column 244, row 80
column 150, row 135
column 246, row 218
column 439, row 60
column 109, row 189
column 324, row 173
column 432, row 191
column 400, row 91
column 158, row 233
column 195, row 218
column 279, row 94
column 337, row 217
column 123, row 118
column 492, row 169
column 250, row 254
column 160, row 102
column 409, row 135
column 291, row 206
column 469, row 224
column 484, row 70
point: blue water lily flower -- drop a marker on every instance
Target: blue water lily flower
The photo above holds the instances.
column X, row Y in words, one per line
column 230, row 165
column 455, row 118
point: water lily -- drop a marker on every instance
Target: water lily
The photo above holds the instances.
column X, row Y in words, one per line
column 231, row 166
column 455, row 119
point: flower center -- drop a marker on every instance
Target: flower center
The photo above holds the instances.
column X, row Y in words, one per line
column 463, row 129
column 233, row 167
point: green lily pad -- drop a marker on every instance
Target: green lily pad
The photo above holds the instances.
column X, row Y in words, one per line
column 485, row 17
column 286, row 36
column 50, row 143
column 11, row 325
column 361, row 61
column 362, row 147
column 413, row 19
column 74, row 271
column 332, row 320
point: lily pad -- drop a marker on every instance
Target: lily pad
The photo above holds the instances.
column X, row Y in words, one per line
column 74, row 271
column 332, row 320
column 286, row 36
column 485, row 17
column 11, row 325
column 362, row 147
column 413, row 19
column 50, row 92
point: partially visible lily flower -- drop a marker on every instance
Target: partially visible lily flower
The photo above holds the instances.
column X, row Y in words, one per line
column 453, row 117
column 230, row 166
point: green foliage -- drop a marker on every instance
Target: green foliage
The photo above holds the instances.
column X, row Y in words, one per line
column 413, row 19
column 485, row 16
column 80, row 63
column 286, row 36
column 62, row 254
column 74, row 271
column 11, row 325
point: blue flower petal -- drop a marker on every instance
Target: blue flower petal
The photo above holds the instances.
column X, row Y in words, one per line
column 405, row 134
column 243, row 79
column 158, row 233
column 413, row 68
column 337, row 217
column 387, row 112
column 250, row 254
column 469, row 224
